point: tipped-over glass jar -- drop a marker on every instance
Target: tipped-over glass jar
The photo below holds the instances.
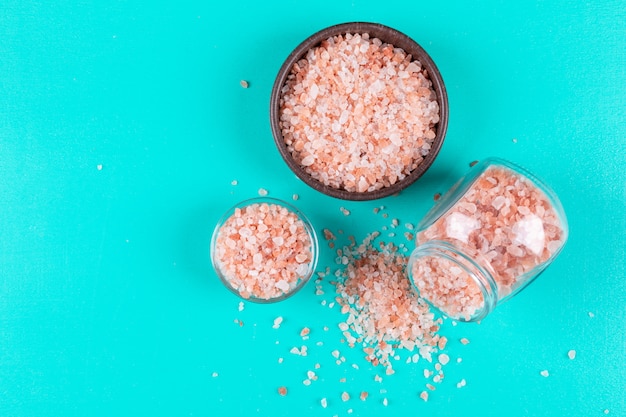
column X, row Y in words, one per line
column 490, row 236
column 264, row 250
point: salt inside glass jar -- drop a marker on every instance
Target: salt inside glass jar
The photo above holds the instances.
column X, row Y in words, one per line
column 490, row 236
column 264, row 250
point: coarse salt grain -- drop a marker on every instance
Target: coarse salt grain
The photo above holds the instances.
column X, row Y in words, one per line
column 424, row 396
column 250, row 259
column 464, row 341
column 444, row 359
column 277, row 322
column 263, row 192
column 214, row 374
column 545, row 373
column 99, row 167
column 345, row 396
column 363, row 395
column 385, row 402
column 461, row 383
column 571, row 354
column 282, row 391
column 244, row 83
column 344, row 110
column 324, row 402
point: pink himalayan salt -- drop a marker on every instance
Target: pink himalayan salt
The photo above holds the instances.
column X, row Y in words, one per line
column 263, row 250
column 383, row 309
column 503, row 220
column 358, row 114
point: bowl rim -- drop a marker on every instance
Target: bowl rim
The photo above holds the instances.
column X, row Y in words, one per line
column 384, row 33
column 308, row 226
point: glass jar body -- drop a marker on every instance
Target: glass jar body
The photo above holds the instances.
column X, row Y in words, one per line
column 489, row 237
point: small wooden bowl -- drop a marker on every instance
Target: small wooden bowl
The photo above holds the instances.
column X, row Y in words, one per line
column 386, row 35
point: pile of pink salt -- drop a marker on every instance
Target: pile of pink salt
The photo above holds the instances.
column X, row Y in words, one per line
column 504, row 222
column 263, row 251
column 358, row 114
column 383, row 310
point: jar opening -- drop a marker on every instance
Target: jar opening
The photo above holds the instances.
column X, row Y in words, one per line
column 452, row 282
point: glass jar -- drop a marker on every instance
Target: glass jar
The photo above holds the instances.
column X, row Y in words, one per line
column 489, row 237
column 264, row 250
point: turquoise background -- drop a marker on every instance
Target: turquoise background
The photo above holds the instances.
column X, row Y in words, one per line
column 108, row 303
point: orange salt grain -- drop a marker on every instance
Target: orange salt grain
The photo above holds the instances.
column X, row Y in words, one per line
column 282, row 391
column 363, row 395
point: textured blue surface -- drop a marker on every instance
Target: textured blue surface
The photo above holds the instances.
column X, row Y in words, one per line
column 108, row 304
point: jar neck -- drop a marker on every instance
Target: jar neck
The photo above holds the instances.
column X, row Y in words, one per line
column 480, row 275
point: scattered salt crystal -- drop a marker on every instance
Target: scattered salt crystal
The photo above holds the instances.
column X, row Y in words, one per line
column 464, row 341
column 378, row 378
column 335, row 353
column 295, row 197
column 324, row 402
column 244, row 83
column 461, row 383
column 280, row 360
column 544, row 373
column 459, row 360
column 282, row 391
column 214, row 374
column 305, row 332
column 364, row 395
column 99, row 167
column 294, row 350
column 345, row 396
column 424, row 396
column 345, row 211
column 444, row 359
column 306, row 382
column 277, row 321
column 571, row 354
column 263, row 192
column 385, row 402
column 591, row 314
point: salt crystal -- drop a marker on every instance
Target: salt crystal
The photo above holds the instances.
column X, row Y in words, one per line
column 544, row 373
column 308, row 160
column 571, row 354
column 262, row 192
column 324, row 402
